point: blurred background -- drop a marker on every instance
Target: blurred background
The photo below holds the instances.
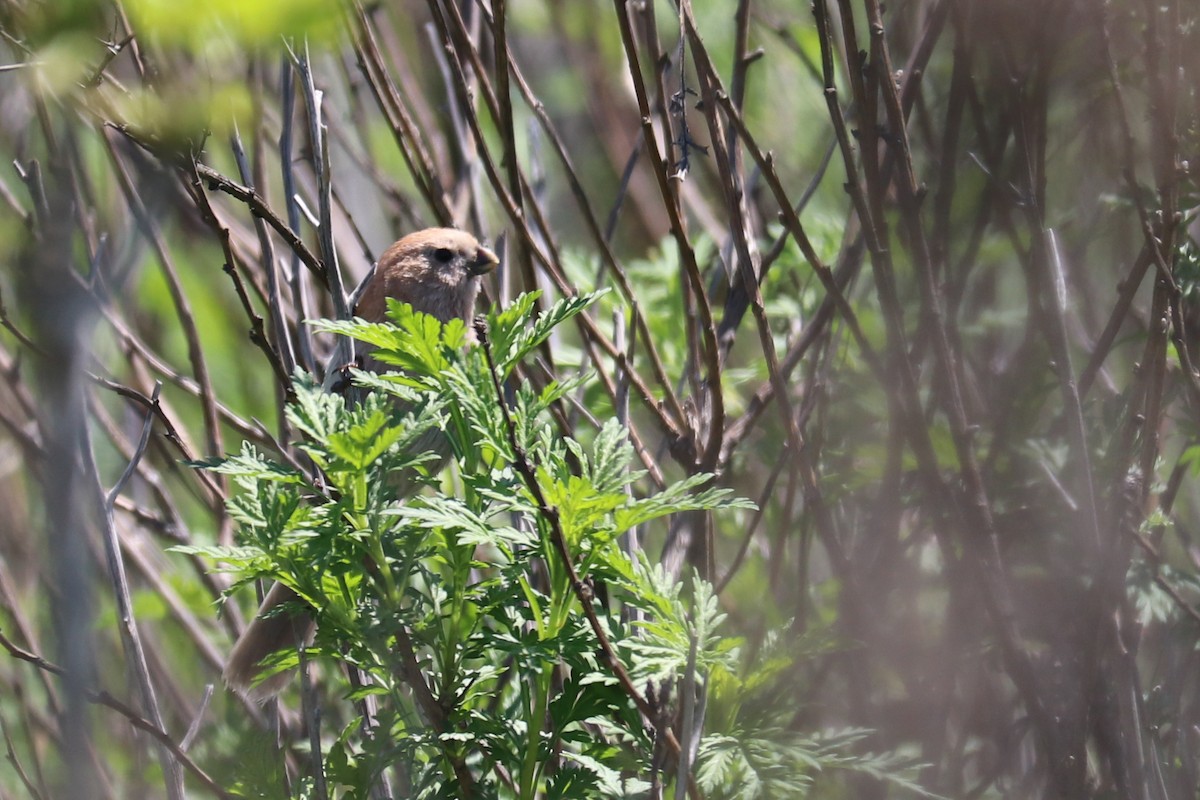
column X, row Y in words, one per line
column 920, row 279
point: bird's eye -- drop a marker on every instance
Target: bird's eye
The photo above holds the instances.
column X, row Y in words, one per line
column 443, row 255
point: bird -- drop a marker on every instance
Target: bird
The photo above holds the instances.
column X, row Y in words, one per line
column 438, row 271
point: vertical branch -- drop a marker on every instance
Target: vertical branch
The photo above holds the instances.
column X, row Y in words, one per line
column 710, row 449
column 182, row 305
column 283, row 344
column 505, row 120
column 320, row 154
column 287, row 168
column 64, row 320
column 135, row 656
column 408, row 140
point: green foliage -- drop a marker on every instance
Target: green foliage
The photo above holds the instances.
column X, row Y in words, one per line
column 754, row 749
column 502, row 645
column 253, row 23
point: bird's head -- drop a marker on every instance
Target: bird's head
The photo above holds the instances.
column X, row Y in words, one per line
column 436, row 270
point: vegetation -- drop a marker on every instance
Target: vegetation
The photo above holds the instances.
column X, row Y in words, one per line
column 831, row 429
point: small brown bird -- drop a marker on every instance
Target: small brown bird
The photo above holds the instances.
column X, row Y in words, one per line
column 438, row 272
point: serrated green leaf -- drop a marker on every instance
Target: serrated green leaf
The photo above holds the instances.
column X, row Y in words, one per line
column 513, row 336
column 231, row 554
column 365, row 442
column 679, row 497
column 454, row 515
column 249, row 463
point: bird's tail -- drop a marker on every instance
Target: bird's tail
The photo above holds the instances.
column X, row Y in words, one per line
column 267, row 634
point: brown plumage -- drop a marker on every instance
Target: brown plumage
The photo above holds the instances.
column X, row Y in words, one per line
column 437, row 271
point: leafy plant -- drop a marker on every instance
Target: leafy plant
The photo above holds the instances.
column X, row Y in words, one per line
column 457, row 606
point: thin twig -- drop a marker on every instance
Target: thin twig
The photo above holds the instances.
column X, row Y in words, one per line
column 103, row 698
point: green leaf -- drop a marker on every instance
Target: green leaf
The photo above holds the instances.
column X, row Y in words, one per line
column 608, row 466
column 671, row 624
column 583, row 511
column 250, row 464
column 232, row 555
column 469, row 527
column 315, row 412
column 513, row 336
column 366, row 441
column 416, row 343
column 679, row 497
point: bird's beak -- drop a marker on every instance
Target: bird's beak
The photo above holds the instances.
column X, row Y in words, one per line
column 484, row 262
